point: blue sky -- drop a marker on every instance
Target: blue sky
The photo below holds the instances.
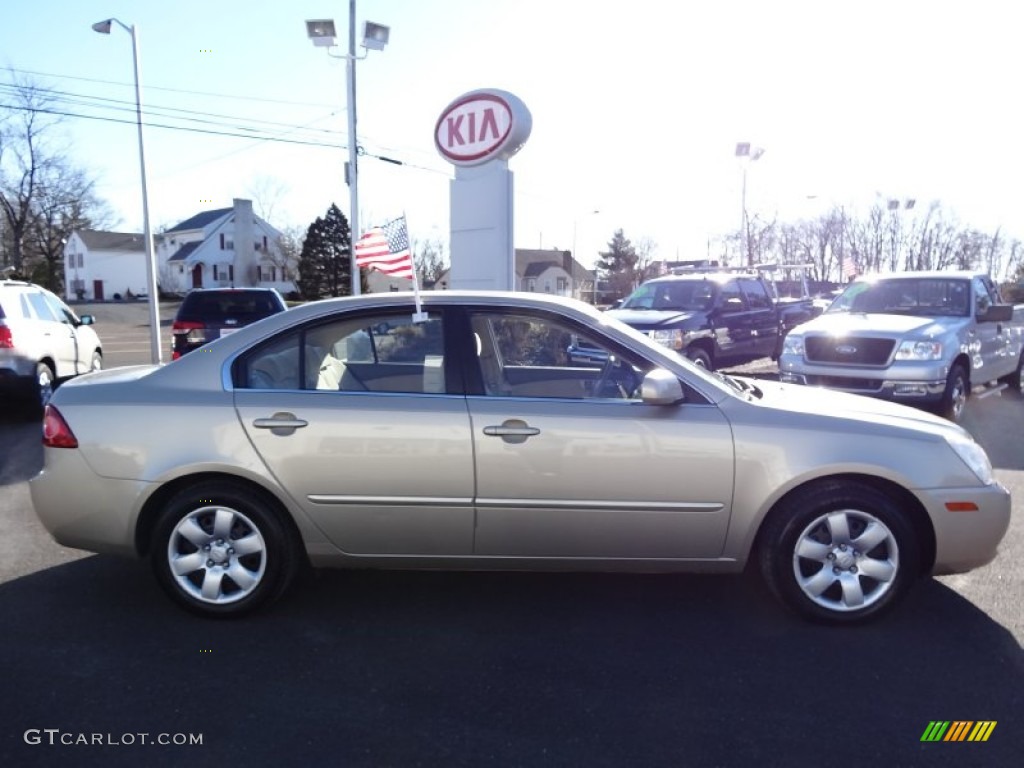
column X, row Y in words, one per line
column 636, row 107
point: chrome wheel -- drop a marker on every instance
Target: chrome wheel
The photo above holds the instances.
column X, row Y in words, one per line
column 840, row 551
column 954, row 399
column 846, row 560
column 217, row 555
column 44, row 383
column 97, row 362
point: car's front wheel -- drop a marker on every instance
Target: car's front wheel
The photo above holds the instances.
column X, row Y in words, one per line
column 219, row 549
column 954, row 398
column 839, row 552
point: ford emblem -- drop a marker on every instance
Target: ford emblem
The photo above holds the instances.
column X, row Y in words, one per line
column 846, row 349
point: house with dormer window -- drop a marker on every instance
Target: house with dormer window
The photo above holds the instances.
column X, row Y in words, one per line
column 223, row 248
column 219, row 248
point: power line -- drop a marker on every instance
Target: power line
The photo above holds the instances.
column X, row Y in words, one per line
column 87, row 100
column 173, row 90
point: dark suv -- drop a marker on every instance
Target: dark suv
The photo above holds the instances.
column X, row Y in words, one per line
column 209, row 313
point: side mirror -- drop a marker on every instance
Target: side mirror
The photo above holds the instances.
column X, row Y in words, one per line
column 660, row 387
column 86, row 320
column 996, row 313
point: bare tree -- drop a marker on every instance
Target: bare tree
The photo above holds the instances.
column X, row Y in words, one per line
column 429, row 259
column 266, row 192
column 44, row 196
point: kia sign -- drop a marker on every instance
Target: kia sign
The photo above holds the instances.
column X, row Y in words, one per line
column 482, row 125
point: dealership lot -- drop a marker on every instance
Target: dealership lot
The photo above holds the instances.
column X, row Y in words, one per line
column 495, row 669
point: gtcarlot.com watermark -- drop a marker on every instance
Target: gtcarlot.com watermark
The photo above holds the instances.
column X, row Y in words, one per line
column 56, row 737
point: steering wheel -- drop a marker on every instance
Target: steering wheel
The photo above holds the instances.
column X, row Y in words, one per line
column 605, row 378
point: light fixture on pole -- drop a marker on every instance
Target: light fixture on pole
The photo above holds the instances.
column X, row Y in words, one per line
column 749, row 154
column 375, row 37
column 103, row 27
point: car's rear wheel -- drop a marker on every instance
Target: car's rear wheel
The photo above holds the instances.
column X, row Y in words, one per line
column 954, row 398
column 40, row 390
column 1013, row 380
column 839, row 553
column 220, row 549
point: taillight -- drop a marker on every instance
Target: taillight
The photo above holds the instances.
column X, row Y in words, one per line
column 185, row 334
column 6, row 338
column 56, row 432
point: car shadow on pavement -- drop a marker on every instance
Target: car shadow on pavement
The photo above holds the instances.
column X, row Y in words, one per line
column 479, row 669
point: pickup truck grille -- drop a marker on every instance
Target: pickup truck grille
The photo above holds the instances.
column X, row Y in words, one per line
column 848, row 351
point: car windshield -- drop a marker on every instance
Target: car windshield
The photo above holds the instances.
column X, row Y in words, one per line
column 924, row 297
column 677, row 295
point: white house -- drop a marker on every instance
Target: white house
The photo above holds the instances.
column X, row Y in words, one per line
column 102, row 265
column 223, row 247
column 547, row 271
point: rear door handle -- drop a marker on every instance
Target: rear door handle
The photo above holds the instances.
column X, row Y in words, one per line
column 512, row 431
column 280, row 423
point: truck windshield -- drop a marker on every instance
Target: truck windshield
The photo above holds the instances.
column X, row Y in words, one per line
column 926, row 297
column 678, row 295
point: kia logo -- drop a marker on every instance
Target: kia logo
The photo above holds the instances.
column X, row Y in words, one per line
column 480, row 126
column 846, row 349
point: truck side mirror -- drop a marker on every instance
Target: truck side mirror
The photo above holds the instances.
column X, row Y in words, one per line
column 996, row 313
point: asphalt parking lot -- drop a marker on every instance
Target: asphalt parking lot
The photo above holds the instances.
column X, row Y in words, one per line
column 432, row 669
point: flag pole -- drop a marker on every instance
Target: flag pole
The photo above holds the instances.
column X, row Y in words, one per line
column 419, row 316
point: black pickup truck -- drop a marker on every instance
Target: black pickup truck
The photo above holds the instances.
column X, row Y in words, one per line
column 717, row 319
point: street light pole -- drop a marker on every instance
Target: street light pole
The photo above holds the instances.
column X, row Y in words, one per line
column 749, row 154
column 375, row 37
column 353, row 146
column 156, row 355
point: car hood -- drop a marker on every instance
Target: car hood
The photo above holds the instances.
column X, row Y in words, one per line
column 650, row 318
column 845, row 324
column 827, row 403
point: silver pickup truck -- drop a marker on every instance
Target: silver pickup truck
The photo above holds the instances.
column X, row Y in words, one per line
column 930, row 339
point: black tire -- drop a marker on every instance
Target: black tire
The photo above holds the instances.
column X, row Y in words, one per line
column 96, row 364
column 824, row 523
column 954, row 399
column 1013, row 380
column 220, row 518
column 700, row 358
column 40, row 390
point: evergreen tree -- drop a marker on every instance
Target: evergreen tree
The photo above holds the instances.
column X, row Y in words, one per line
column 619, row 265
column 325, row 264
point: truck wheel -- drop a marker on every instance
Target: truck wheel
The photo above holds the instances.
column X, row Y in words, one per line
column 700, row 358
column 1013, row 380
column 954, row 399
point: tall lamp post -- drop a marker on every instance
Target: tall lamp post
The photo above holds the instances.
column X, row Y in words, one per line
column 748, row 154
column 103, row 27
column 375, row 37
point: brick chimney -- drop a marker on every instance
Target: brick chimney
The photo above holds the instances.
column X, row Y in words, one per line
column 245, row 238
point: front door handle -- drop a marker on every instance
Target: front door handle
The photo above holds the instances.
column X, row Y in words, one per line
column 280, row 423
column 512, row 431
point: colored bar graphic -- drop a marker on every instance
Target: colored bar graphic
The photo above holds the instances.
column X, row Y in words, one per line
column 958, row 730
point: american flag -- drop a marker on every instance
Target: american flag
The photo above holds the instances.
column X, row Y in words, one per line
column 849, row 268
column 386, row 249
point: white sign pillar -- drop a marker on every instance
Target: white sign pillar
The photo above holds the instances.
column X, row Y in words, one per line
column 478, row 133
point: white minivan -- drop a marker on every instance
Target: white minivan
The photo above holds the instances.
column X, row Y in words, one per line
column 42, row 341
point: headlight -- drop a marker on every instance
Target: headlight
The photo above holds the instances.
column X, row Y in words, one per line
column 670, row 339
column 974, row 456
column 793, row 345
column 919, row 350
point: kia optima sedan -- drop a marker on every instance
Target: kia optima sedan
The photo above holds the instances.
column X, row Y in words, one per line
column 367, row 432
